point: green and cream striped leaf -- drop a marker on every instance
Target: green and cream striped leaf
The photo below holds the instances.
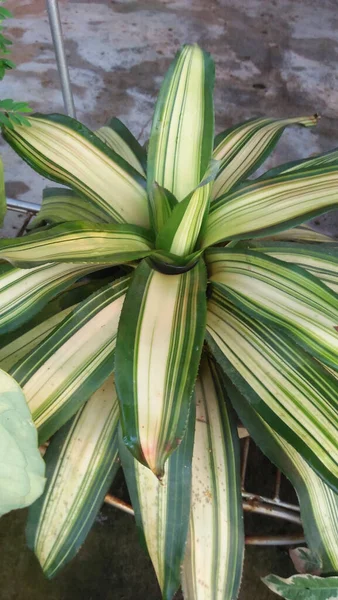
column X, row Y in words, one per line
column 62, row 204
column 183, row 229
column 320, row 160
column 242, row 148
column 65, row 151
column 272, row 205
column 161, row 203
column 24, row 292
column 181, row 139
column 213, row 560
column 162, row 509
column 284, row 295
column 118, row 137
column 319, row 260
column 301, row 233
column 78, row 242
column 73, row 361
column 159, row 343
column 318, row 503
column 291, row 391
column 77, row 292
column 81, row 464
column 24, row 344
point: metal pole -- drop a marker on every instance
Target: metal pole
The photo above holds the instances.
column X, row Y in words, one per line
column 59, row 48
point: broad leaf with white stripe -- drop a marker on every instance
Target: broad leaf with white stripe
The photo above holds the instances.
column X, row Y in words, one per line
column 319, row 260
column 78, row 242
column 118, row 137
column 162, row 509
column 284, row 295
column 242, row 148
column 183, row 229
column 291, row 391
column 62, row 204
column 159, row 343
column 181, row 139
column 318, row 503
column 81, row 464
column 213, row 560
column 300, row 233
column 73, row 361
column 65, row 151
column 24, row 292
column 272, row 205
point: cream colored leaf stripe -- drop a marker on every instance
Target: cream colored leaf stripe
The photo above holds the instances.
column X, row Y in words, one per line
column 73, row 361
column 162, row 509
column 181, row 139
column 118, row 137
column 24, row 292
column 60, row 205
column 241, row 149
column 81, row 465
column 159, row 343
column 320, row 160
column 11, row 353
column 272, row 205
column 284, row 295
column 293, row 393
column 180, row 234
column 78, row 242
column 65, row 151
column 213, row 560
column 318, row 503
column 321, row 261
column 301, row 233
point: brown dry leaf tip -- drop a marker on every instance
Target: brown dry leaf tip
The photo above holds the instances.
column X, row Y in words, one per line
column 335, row 327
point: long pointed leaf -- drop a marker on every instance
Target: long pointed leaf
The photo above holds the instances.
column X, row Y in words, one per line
column 159, row 343
column 118, row 137
column 60, row 205
column 81, row 465
column 181, row 138
column 162, row 202
column 301, row 233
column 318, row 503
column 293, row 393
column 162, row 508
column 281, row 294
column 65, row 151
column 214, row 557
column 183, row 228
column 73, row 361
column 305, row 164
column 24, row 292
column 272, row 205
column 78, row 242
column 319, row 260
column 241, row 149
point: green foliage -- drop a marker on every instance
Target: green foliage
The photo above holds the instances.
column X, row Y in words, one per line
column 303, row 587
column 219, row 294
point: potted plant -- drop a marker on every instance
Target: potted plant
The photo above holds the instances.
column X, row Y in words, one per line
column 156, row 294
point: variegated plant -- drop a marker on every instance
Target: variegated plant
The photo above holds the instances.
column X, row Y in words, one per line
column 223, row 296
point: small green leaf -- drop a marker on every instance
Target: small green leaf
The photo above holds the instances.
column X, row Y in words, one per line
column 303, row 587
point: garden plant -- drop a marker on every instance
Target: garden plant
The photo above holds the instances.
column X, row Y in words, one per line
column 157, row 295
